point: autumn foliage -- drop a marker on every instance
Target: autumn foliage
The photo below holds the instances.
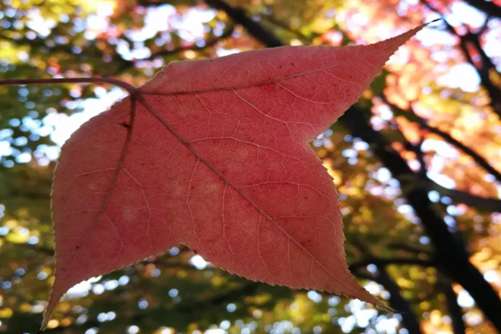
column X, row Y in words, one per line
column 214, row 155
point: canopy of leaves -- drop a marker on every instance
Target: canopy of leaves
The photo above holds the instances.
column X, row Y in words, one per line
column 436, row 109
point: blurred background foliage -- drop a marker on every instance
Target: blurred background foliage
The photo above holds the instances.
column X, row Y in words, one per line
column 417, row 163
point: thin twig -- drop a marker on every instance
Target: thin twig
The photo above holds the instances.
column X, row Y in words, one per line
column 128, row 87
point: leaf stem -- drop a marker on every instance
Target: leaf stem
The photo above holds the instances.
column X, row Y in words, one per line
column 128, row 87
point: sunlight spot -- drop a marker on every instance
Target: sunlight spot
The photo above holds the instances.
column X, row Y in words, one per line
column 81, row 289
column 173, row 293
column 198, row 262
column 464, row 299
column 434, row 196
column 231, row 307
column 226, row 52
column 373, row 288
column 106, row 316
column 364, row 316
column 5, row 148
column 81, row 319
column 333, row 301
column 65, row 125
column 111, row 284
column 347, row 324
column 23, row 158
column 132, row 329
column 442, row 180
column 42, row 275
column 38, row 23
column 314, row 296
column 4, row 230
column 143, row 304
column 473, row 318
column 429, row 37
column 387, row 325
column 462, row 76
column 123, row 280
column 191, row 25
column 424, row 240
column 215, row 331
column 492, row 276
column 156, row 20
column 225, row 324
column 462, row 13
column 174, row 251
column 372, row 268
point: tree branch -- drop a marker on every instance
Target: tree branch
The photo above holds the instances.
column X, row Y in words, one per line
column 488, row 7
column 254, row 29
column 35, row 248
column 391, row 261
column 413, row 117
column 484, row 68
column 455, row 311
column 165, row 53
column 397, row 301
column 478, row 202
column 51, row 81
column 408, row 248
column 208, row 43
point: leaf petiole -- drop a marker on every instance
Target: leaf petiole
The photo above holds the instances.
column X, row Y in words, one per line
column 128, row 87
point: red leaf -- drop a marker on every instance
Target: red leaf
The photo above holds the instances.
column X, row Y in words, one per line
column 215, row 157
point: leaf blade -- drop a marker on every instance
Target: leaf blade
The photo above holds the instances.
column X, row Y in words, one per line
column 179, row 179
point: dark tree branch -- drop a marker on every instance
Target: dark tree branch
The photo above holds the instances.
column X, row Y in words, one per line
column 478, row 202
column 422, row 180
column 413, row 117
column 455, row 311
column 397, row 301
column 284, row 25
column 484, row 67
column 208, row 43
column 488, row 7
column 409, row 248
column 391, row 261
column 166, row 53
column 254, row 29
column 51, row 81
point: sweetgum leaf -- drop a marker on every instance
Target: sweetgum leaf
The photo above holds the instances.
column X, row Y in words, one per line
column 214, row 155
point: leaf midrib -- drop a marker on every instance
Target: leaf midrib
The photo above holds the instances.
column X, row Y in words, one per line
column 213, row 169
